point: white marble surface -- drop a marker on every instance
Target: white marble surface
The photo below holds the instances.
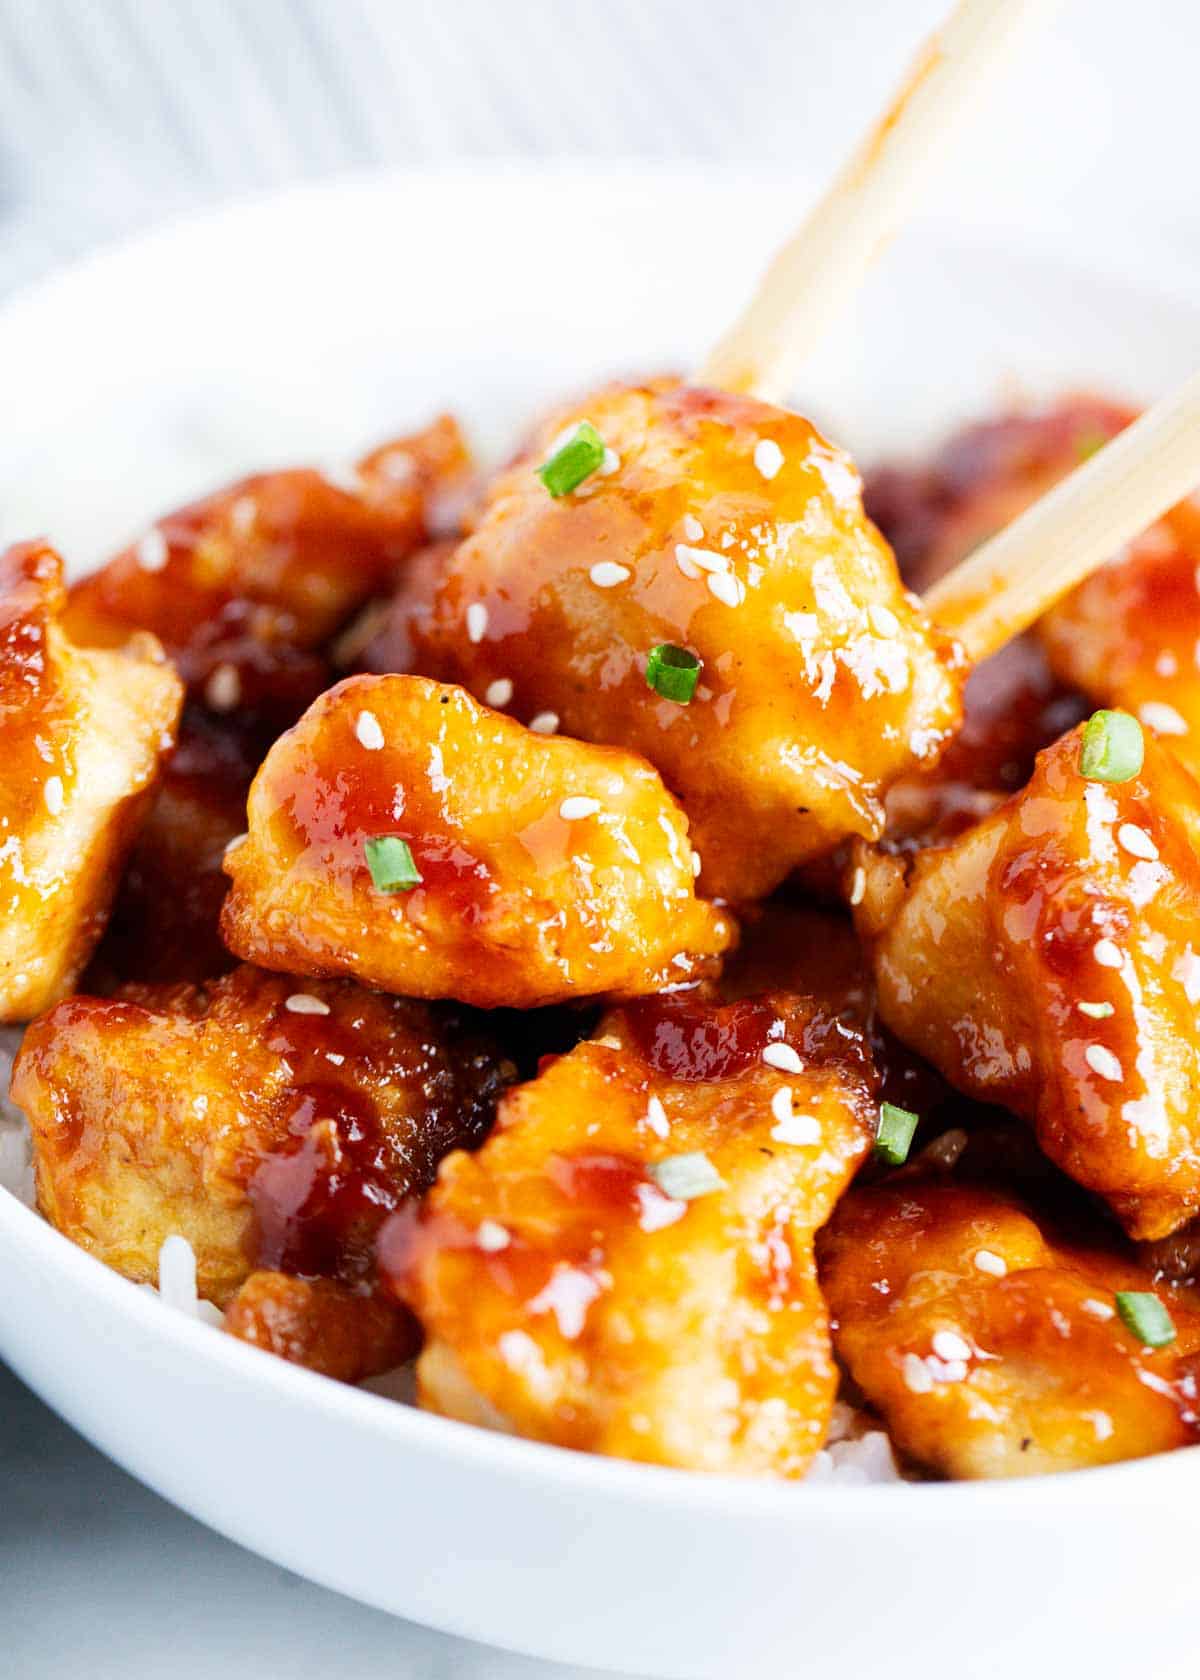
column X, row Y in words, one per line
column 114, row 113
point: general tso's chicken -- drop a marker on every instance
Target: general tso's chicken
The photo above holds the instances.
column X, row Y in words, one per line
column 990, row 1346
column 243, row 587
column 322, row 1325
column 1049, row 960
column 407, row 836
column 83, row 735
column 271, row 1126
column 729, row 535
column 626, row 1266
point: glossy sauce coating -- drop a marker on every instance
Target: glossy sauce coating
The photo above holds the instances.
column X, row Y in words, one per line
column 84, row 732
column 1049, row 960
column 550, row 869
column 269, row 1133
column 322, row 1325
column 568, row 1295
column 990, row 1345
column 733, row 529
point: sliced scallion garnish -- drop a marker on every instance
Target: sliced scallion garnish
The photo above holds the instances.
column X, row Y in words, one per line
column 1145, row 1315
column 672, row 672
column 390, row 861
column 894, row 1134
column 1112, row 749
column 576, row 458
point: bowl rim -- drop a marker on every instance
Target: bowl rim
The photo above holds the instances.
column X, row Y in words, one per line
column 571, row 1472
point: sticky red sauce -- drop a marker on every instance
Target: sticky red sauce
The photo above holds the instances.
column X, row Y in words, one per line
column 685, row 1038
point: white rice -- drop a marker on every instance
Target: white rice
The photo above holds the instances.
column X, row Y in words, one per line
column 177, row 1282
column 856, row 1451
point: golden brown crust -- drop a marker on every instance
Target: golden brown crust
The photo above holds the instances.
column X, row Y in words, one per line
column 567, row 1296
column 268, row 1134
column 991, row 1348
column 550, row 869
column 822, row 679
column 84, row 732
column 1013, row 945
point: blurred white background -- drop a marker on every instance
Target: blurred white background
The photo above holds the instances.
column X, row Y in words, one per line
column 115, row 114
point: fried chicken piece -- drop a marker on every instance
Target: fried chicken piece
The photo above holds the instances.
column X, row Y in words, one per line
column 992, row 1347
column 732, row 529
column 322, row 1325
column 273, row 1127
column 1049, row 960
column 539, row 869
column 84, row 733
column 243, row 587
column 626, row 1266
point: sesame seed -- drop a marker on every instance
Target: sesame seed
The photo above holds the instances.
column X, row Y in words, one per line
column 916, row 1374
column 579, row 805
column 545, row 723
column 152, row 552
column 883, row 620
column 797, row 1129
column 232, row 845
column 477, row 622
column 370, row 735
column 500, row 692
column 223, row 689
column 1157, row 715
column 783, row 1057
column 304, row 1003
column 1107, row 953
column 949, row 1345
column 993, row 1264
column 692, row 528
column 334, row 1056
column 695, row 865
column 768, row 457
column 1137, row 842
column 700, row 560
column 1103, row 1063
column 858, row 885
column 54, row 795
column 781, row 1103
column 1098, row 1309
column 491, row 1237
column 727, row 589
column 656, row 1118
column 607, row 574
column 1095, row 1011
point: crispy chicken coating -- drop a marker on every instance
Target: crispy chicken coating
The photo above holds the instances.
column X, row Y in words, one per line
column 1049, row 960
column 271, row 1126
column 548, row 869
column 84, row 732
column 242, row 587
column 732, row 529
column 322, row 1325
column 990, row 1346
column 575, row 1287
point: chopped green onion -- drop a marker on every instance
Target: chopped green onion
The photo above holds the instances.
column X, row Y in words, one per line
column 684, row 1177
column 1095, row 1011
column 894, row 1134
column 1112, row 748
column 575, row 459
column 391, row 864
column 1146, row 1316
column 672, row 672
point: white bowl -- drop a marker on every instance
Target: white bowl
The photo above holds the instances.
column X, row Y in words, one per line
column 299, row 328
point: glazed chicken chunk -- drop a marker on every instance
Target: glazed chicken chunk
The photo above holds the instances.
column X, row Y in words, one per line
column 1049, row 960
column 272, row 1126
column 84, row 732
column 626, row 1267
column 323, row 1325
column 407, row 836
column 992, row 1348
column 729, row 530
